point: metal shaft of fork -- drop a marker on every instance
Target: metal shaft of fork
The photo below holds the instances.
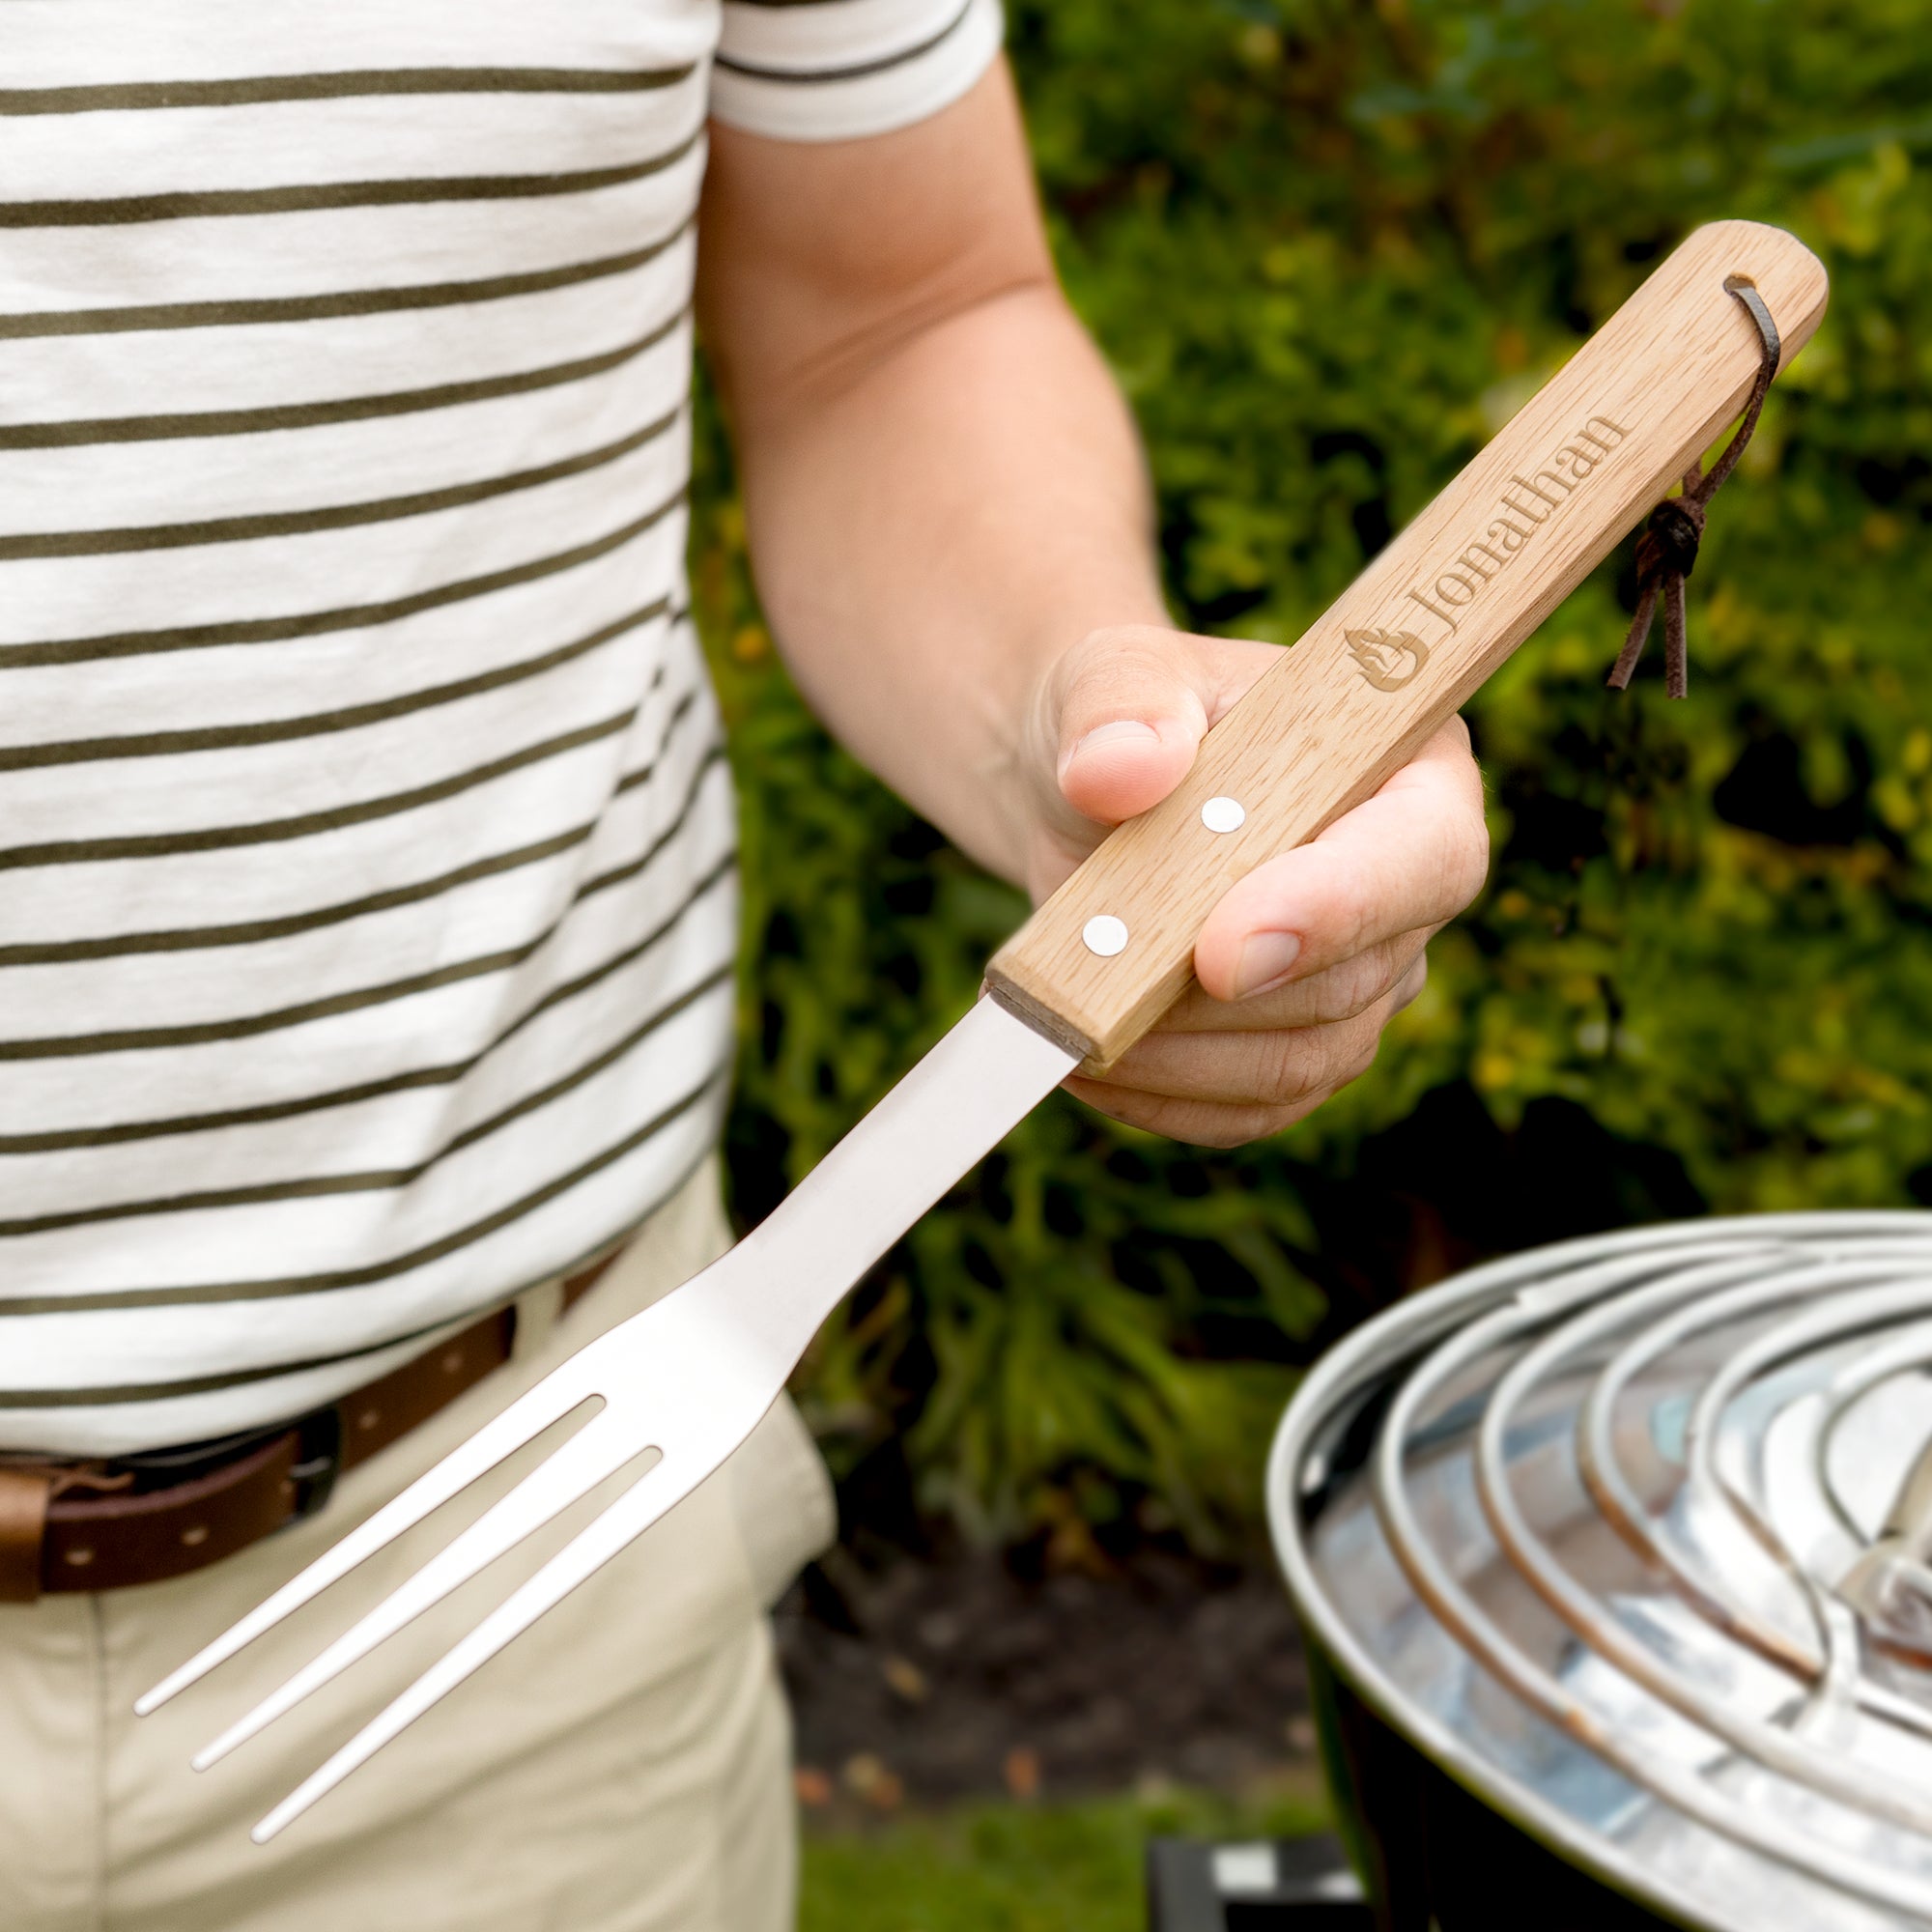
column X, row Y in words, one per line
column 775, row 1288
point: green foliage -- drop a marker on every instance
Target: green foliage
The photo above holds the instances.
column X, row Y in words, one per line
column 1328, row 248
column 1018, row 1868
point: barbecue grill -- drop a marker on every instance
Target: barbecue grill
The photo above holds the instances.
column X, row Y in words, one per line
column 1615, row 1561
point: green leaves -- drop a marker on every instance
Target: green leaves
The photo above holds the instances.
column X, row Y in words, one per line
column 1328, row 248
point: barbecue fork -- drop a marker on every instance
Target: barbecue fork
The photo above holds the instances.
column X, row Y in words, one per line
column 1095, row 967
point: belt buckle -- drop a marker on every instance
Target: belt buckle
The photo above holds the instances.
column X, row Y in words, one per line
column 318, row 1460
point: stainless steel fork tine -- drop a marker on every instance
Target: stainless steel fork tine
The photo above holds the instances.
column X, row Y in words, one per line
column 622, row 1524
column 532, row 1412
column 549, row 1489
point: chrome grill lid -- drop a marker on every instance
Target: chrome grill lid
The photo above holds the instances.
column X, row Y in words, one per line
column 1633, row 1538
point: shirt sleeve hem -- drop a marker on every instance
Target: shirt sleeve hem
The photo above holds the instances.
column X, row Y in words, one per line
column 877, row 97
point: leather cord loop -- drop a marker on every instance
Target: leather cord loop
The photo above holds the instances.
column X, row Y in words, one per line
column 1666, row 553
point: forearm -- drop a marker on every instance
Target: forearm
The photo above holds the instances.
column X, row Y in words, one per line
column 943, row 488
column 929, row 538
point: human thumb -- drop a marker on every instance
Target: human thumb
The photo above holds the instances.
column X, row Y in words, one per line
column 1133, row 705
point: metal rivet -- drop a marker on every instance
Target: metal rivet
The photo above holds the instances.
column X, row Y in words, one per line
column 452, row 1361
column 195, row 1533
column 1104, row 934
column 79, row 1558
column 1224, row 814
column 369, row 1418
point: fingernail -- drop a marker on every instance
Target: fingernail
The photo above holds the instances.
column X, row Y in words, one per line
column 1118, row 731
column 1266, row 960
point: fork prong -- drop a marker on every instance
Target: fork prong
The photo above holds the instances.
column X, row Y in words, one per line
column 532, row 1412
column 573, row 1472
column 622, row 1523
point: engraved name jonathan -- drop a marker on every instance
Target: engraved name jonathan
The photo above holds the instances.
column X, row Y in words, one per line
column 1389, row 659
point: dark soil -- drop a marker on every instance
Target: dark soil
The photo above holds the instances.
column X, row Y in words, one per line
column 944, row 1678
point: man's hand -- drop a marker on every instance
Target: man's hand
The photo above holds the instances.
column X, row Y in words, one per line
column 1304, row 961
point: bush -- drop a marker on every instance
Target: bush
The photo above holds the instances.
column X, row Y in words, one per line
column 1328, row 248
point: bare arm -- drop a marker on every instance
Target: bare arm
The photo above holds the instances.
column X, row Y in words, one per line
column 950, row 526
column 943, row 487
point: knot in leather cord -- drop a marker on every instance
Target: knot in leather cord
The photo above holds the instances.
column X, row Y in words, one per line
column 1666, row 553
column 1669, row 543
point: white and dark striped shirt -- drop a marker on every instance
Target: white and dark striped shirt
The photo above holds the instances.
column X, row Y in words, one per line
column 366, row 893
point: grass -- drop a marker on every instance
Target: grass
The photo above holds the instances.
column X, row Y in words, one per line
column 1009, row 1867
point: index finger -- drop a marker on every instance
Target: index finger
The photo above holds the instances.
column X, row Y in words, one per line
column 1414, row 855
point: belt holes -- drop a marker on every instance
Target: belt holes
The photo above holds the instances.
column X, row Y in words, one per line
column 369, row 1418
column 80, row 1558
column 452, row 1362
column 195, row 1533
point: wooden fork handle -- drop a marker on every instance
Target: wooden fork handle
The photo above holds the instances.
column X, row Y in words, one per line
column 1414, row 635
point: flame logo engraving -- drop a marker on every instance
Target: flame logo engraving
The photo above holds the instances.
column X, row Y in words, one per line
column 1388, row 659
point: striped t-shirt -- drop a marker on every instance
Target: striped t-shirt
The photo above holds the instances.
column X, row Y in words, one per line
column 366, row 896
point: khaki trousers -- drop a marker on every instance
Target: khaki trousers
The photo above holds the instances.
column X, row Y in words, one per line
column 624, row 1766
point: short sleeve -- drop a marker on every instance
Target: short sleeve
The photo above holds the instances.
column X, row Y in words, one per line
column 835, row 70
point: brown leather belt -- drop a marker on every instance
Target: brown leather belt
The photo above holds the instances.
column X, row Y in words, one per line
column 104, row 1526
